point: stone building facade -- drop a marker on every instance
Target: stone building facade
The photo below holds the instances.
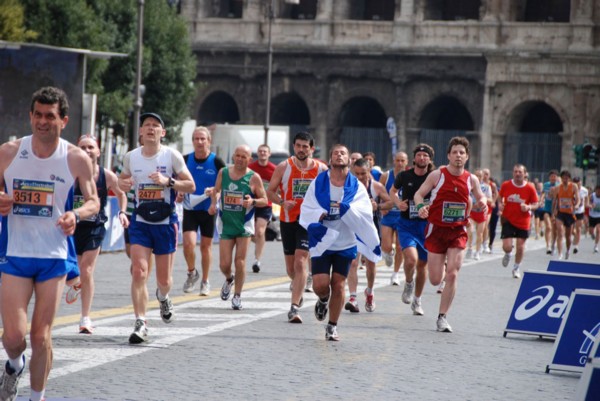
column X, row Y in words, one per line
column 519, row 78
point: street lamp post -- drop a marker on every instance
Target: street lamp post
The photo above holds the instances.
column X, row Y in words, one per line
column 137, row 103
column 271, row 16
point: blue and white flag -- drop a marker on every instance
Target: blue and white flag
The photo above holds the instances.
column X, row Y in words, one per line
column 356, row 214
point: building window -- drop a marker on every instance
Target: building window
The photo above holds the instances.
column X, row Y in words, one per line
column 376, row 10
column 304, row 9
column 547, row 11
column 227, row 8
column 452, row 10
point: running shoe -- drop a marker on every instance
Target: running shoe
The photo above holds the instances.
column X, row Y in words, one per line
column 416, row 307
column 486, row 248
column 469, row 253
column 595, row 249
column 548, row 251
column 236, row 302
column 516, row 273
column 505, row 259
column 256, row 266
column 443, row 326
column 166, row 309
column 395, row 279
column 575, row 250
column 331, row 333
column 309, row 281
column 73, row 293
column 388, row 258
column 9, row 382
column 370, row 301
column 407, row 294
column 85, row 325
column 321, row 310
column 441, row 287
column 352, row 305
column 567, row 254
column 204, row 288
column 294, row 315
column 226, row 289
column 191, row 280
column 477, row 255
column 140, row 332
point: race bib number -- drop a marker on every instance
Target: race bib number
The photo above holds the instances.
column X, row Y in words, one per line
column 33, row 198
column 454, row 212
column 334, row 211
column 299, row 187
column 150, row 192
column 565, row 203
column 232, row 201
column 413, row 213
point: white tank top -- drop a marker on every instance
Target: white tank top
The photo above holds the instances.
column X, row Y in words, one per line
column 595, row 206
column 43, row 191
column 167, row 161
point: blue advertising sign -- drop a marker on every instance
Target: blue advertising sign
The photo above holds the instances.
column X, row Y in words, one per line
column 574, row 267
column 542, row 300
column 577, row 333
column 589, row 384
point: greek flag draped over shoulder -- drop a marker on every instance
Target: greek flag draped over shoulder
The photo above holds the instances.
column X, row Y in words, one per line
column 356, row 213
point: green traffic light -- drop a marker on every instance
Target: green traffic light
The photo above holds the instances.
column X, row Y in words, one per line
column 586, row 162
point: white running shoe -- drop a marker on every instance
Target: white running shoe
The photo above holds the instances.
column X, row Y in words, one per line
column 441, row 287
column 595, row 249
column 140, row 332
column 204, row 288
column 388, row 258
column 469, row 253
column 477, row 255
column 331, row 333
column 416, row 307
column 407, row 294
column 9, row 382
column 506, row 259
column 309, row 281
column 236, row 302
column 85, row 325
column 516, row 273
column 191, row 280
column 73, row 293
column 395, row 279
column 443, row 326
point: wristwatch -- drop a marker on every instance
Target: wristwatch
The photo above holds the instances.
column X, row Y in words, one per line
column 253, row 202
column 171, row 182
column 77, row 218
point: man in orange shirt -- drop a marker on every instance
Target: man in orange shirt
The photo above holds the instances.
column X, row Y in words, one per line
column 517, row 199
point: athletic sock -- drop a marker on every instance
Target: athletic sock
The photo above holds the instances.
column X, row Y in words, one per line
column 17, row 364
column 160, row 296
column 37, row 395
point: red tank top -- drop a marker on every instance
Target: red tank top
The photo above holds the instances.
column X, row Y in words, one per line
column 449, row 199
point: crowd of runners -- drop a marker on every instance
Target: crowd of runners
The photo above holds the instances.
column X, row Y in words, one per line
column 336, row 216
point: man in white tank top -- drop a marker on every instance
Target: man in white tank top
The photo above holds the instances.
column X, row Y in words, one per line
column 37, row 173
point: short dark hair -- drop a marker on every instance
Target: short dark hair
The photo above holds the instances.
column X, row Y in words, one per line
column 565, row 172
column 52, row 95
column 336, row 146
column 370, row 154
column 555, row 172
column 305, row 136
column 362, row 163
column 459, row 140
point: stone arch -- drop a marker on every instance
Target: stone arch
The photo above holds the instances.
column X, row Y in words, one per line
column 362, row 121
column 501, row 125
column 218, row 107
column 289, row 109
column 446, row 112
column 533, row 137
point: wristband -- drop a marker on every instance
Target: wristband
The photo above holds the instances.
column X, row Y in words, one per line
column 171, row 183
column 420, row 206
column 122, row 212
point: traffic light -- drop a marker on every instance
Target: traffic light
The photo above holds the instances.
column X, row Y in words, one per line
column 589, row 156
column 578, row 150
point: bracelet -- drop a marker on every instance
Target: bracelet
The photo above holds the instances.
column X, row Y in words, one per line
column 120, row 211
column 420, row 206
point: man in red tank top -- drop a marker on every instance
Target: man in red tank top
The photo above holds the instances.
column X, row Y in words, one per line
column 446, row 213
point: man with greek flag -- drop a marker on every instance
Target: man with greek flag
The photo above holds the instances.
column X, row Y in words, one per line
column 338, row 216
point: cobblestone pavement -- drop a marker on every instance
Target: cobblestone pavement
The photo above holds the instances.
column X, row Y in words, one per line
column 212, row 352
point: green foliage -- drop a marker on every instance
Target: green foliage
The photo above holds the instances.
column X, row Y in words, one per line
column 111, row 25
column 12, row 28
